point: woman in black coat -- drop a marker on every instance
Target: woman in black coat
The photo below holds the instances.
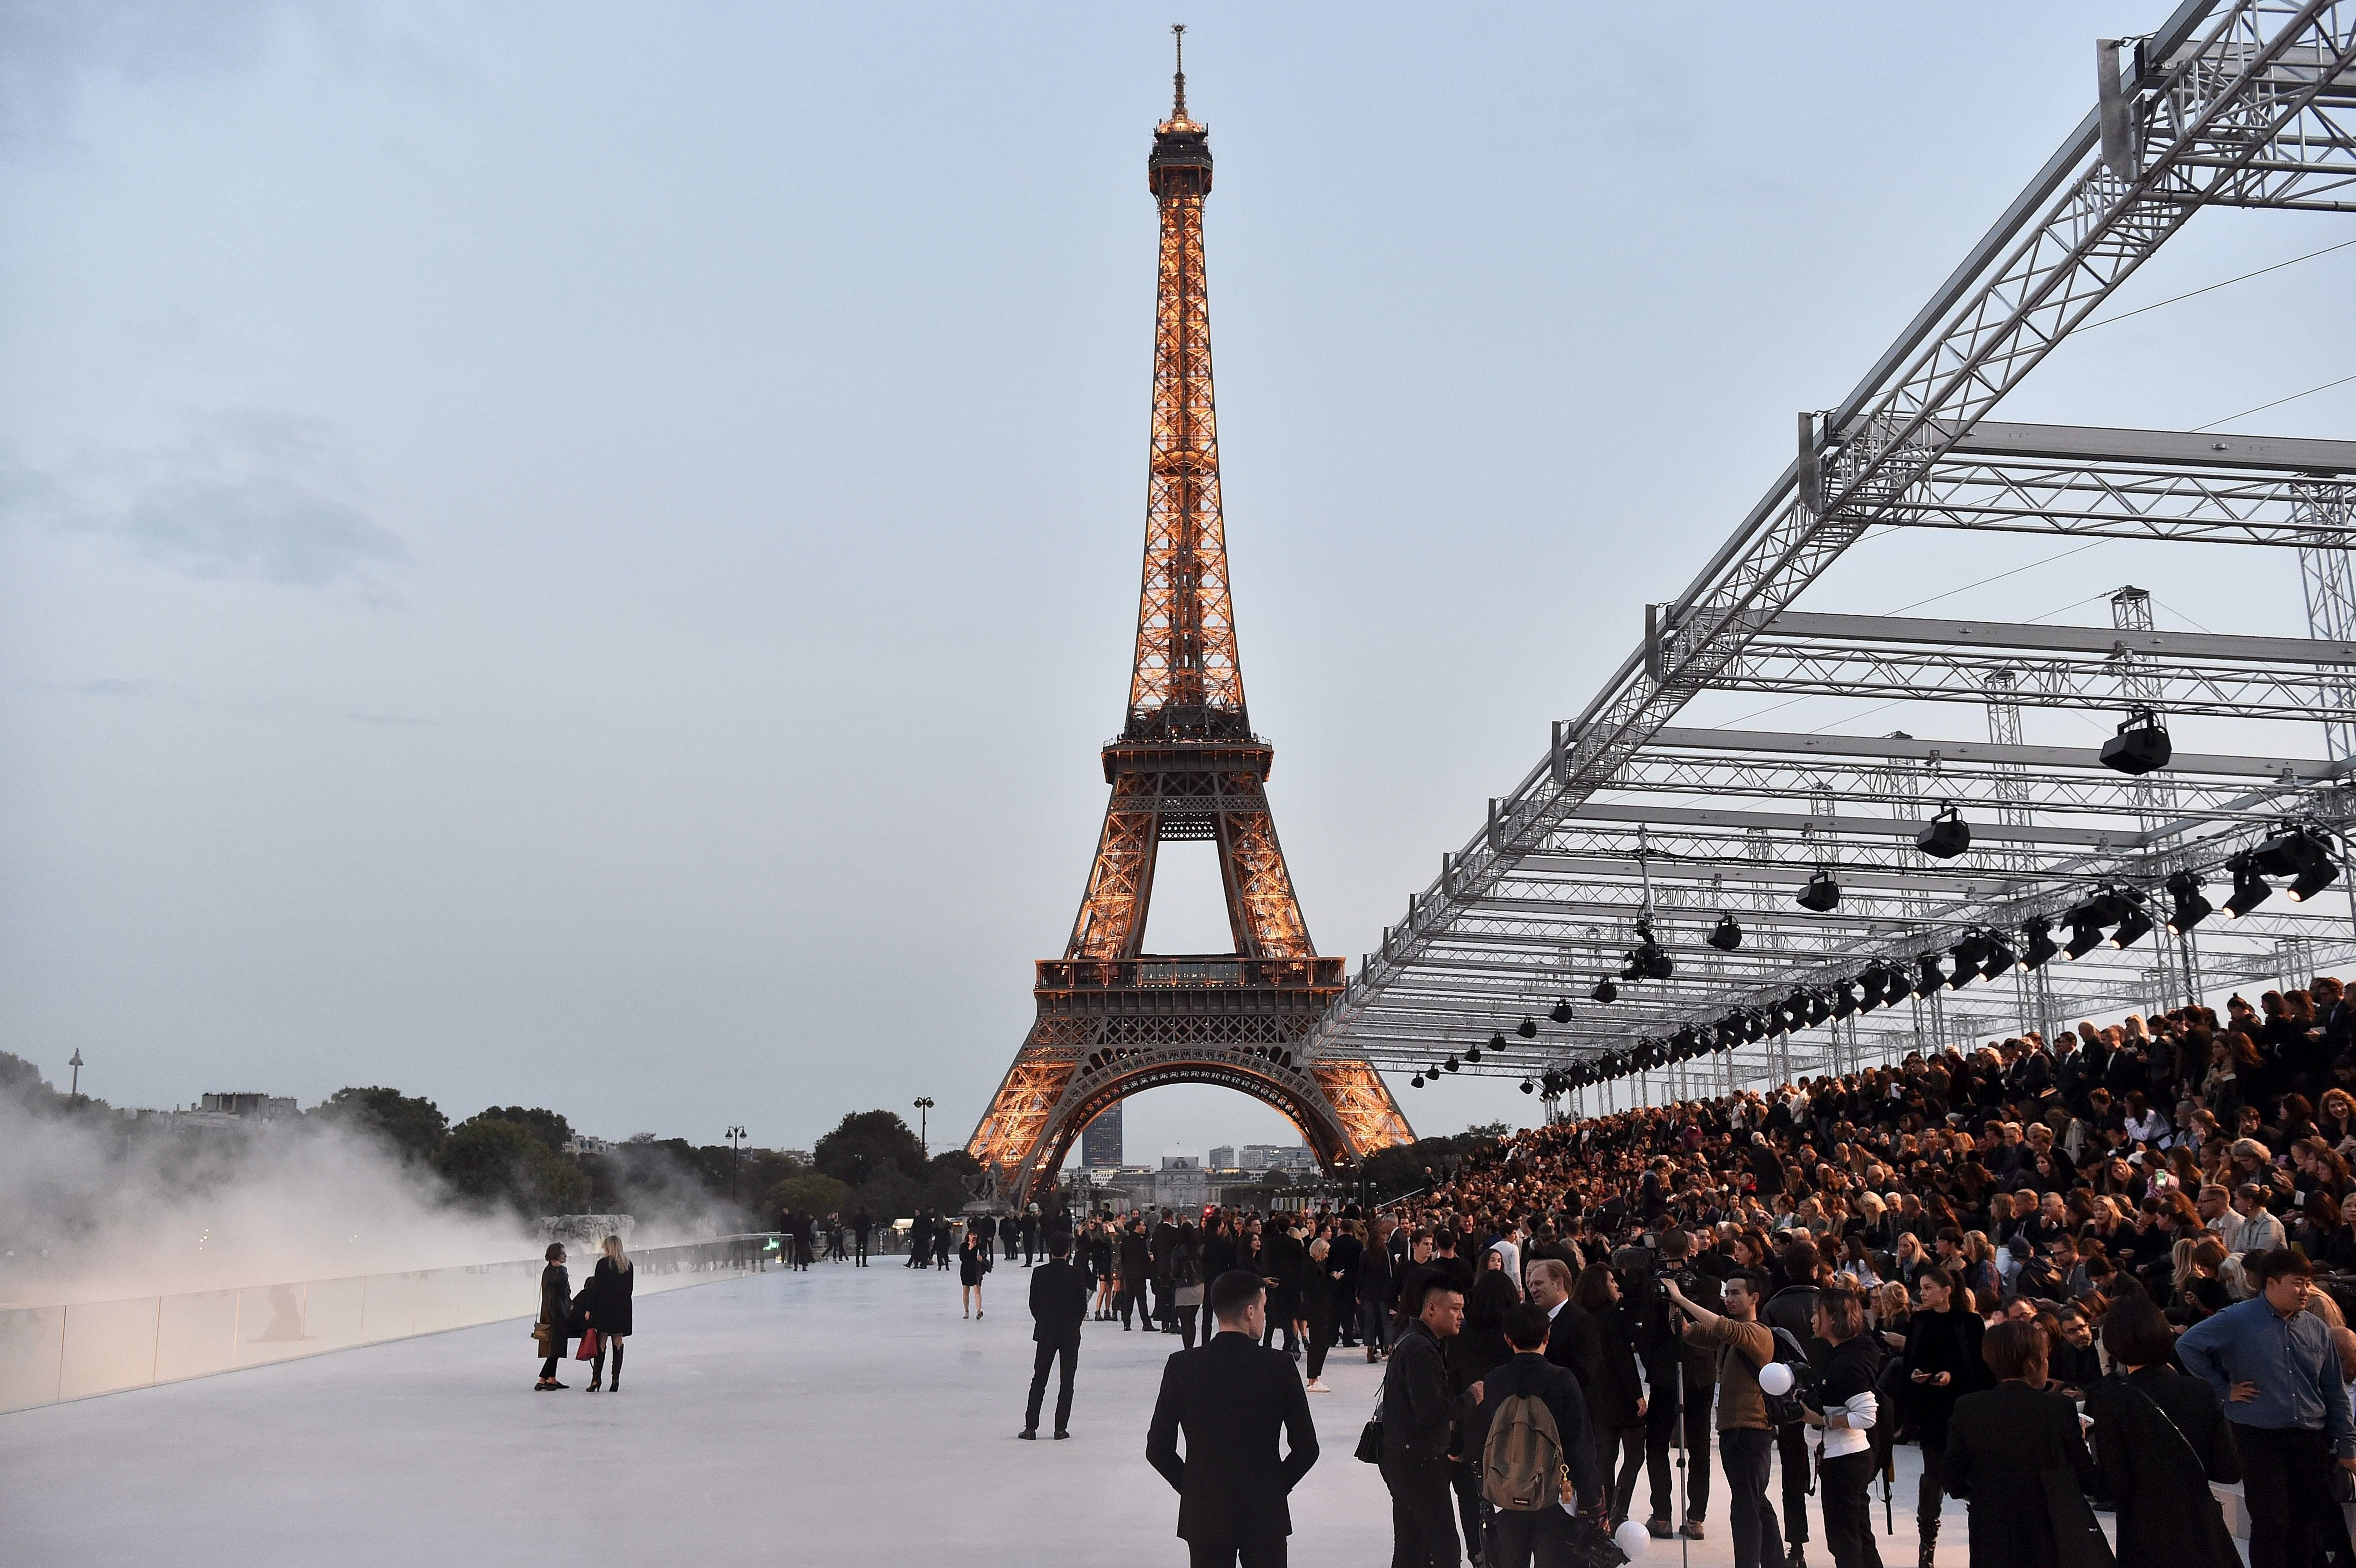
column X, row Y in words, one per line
column 1940, row 1364
column 1615, row 1404
column 551, row 1327
column 606, row 1309
column 972, row 1263
column 2004, row 1445
column 2161, row 1438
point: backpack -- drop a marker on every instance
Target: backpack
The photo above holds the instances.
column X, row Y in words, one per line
column 1521, row 1463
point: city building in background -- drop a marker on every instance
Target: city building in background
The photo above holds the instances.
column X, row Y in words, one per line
column 1100, row 1144
column 1182, row 1183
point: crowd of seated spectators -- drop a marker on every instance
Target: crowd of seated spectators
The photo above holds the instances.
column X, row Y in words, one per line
column 2146, row 1156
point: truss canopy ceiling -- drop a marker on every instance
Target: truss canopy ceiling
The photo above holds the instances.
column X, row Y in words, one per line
column 1588, row 897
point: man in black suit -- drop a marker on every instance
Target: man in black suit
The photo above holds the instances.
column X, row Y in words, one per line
column 1059, row 1304
column 1574, row 1339
column 1229, row 1395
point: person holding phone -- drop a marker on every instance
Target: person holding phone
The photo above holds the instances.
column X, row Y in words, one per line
column 1943, row 1361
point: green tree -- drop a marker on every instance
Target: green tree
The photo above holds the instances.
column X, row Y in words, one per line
column 496, row 1162
column 21, row 1081
column 414, row 1126
column 865, row 1144
column 809, row 1192
column 546, row 1125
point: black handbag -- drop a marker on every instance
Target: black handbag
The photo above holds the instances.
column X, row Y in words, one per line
column 1588, row 1546
column 1370, row 1436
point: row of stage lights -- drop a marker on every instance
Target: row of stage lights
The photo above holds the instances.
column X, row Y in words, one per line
column 2299, row 852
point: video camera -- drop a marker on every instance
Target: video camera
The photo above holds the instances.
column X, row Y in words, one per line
column 1793, row 1387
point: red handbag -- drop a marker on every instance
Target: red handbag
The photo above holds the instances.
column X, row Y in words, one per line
column 589, row 1343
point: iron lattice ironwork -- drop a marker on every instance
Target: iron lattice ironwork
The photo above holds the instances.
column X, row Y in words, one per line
column 1113, row 1019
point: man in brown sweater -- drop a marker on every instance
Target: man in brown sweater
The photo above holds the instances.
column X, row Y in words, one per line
column 1746, row 1439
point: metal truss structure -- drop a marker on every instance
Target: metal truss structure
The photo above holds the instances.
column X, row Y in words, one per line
column 1700, row 906
column 1113, row 1019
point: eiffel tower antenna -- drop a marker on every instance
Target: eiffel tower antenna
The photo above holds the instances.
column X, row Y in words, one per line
column 1112, row 1018
column 1178, row 82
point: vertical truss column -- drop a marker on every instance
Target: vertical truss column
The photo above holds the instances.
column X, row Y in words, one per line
column 2153, row 795
column 2325, row 512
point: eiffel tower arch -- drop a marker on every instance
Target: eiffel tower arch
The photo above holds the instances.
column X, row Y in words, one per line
column 1113, row 1019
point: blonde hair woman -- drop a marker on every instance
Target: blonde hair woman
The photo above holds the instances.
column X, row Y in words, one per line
column 608, row 1301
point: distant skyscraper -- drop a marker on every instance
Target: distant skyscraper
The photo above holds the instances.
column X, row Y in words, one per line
column 1100, row 1144
column 1222, row 1158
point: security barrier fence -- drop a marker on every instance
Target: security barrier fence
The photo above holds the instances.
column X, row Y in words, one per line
column 51, row 1354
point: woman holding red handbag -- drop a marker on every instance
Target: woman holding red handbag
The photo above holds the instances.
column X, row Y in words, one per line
column 607, row 1302
column 556, row 1315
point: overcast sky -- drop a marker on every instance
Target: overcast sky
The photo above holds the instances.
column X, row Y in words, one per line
column 583, row 554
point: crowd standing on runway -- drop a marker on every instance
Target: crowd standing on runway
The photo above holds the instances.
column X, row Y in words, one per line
column 2103, row 1270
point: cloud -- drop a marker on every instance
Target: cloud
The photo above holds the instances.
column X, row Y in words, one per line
column 260, row 526
column 49, row 48
column 258, row 494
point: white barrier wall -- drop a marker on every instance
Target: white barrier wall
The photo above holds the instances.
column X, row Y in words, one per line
column 50, row 1354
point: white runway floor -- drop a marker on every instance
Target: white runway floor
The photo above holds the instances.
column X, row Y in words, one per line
column 838, row 1417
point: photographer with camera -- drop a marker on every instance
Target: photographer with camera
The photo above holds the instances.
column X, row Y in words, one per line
column 1682, row 1381
column 1746, row 1436
column 1844, row 1451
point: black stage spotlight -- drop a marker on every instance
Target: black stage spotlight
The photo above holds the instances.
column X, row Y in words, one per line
column 1969, row 955
column 1822, row 895
column 1928, row 976
column 1606, row 992
column 2001, row 956
column 1945, row 835
column 2250, row 889
column 1528, row 1088
column 2287, row 852
column 2191, row 909
column 1472, row 1056
column 1416, row 1082
column 2312, row 881
column 1844, row 999
column 1658, row 965
column 1450, row 1064
column 2039, row 950
column 1632, row 967
column 2134, row 925
column 1868, row 988
column 1727, row 937
column 2140, row 745
column 1528, row 1029
column 1755, row 1029
column 1730, row 1031
column 1498, row 1041
column 1561, row 1013
column 1819, row 1007
column 2083, row 938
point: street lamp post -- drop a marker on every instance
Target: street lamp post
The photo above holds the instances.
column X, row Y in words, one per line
column 735, row 1158
column 922, row 1104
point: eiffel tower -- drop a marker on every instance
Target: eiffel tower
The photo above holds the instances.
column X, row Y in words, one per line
column 1113, row 1019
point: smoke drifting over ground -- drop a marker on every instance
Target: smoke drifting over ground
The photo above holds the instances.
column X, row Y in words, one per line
column 92, row 1209
column 96, row 1206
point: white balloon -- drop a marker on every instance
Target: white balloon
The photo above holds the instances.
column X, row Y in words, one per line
column 1775, row 1378
column 1632, row 1539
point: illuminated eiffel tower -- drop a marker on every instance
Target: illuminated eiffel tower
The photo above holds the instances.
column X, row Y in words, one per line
column 1113, row 1020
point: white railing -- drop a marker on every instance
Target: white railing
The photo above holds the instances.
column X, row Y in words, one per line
column 51, row 1354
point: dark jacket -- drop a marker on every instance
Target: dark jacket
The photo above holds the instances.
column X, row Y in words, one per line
column 1575, row 1343
column 2001, row 1444
column 557, row 1298
column 1419, row 1397
column 1613, row 1398
column 1946, row 1342
column 1230, row 1396
column 2159, row 1478
column 1059, row 1302
column 608, row 1299
column 1530, row 1373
